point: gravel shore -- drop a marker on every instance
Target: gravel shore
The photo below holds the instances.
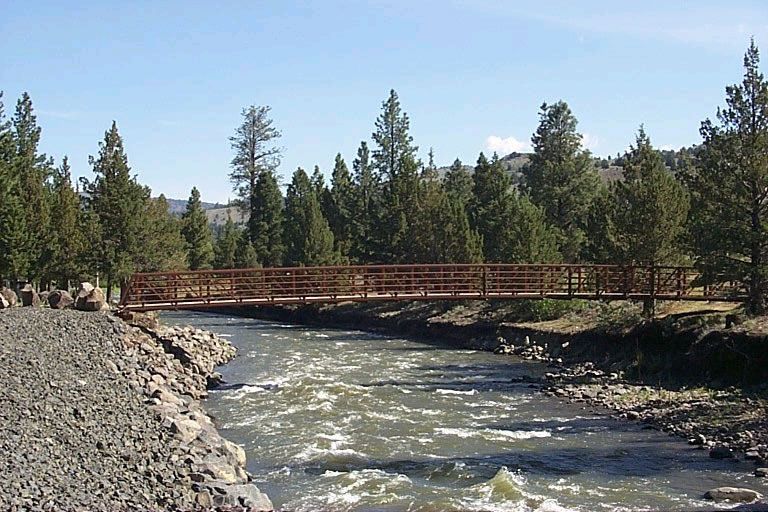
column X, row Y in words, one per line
column 99, row 415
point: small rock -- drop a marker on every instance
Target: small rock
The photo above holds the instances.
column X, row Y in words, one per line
column 60, row 299
column 721, row 452
column 761, row 472
column 29, row 296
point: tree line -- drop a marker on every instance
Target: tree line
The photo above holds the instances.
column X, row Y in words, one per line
column 704, row 206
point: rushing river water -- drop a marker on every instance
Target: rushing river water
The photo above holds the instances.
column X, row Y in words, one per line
column 345, row 420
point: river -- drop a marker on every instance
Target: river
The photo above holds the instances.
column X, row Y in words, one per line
column 345, row 420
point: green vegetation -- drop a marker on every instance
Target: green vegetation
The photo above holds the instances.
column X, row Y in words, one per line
column 197, row 234
column 706, row 205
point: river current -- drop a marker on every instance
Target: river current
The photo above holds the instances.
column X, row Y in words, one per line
column 344, row 420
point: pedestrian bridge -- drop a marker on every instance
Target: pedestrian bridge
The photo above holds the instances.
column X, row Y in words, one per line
column 202, row 289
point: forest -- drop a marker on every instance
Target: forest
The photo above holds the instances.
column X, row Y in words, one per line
column 704, row 206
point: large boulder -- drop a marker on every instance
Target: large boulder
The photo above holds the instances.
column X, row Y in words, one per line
column 60, row 299
column 4, row 303
column 29, row 296
column 90, row 298
column 10, row 296
column 734, row 494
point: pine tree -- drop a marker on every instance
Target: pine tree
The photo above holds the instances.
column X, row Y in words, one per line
column 461, row 243
column 560, row 177
column 245, row 253
column 489, row 205
column 397, row 232
column 253, row 175
column 394, row 145
column 161, row 238
column 458, row 182
column 14, row 261
column 367, row 207
column 527, row 236
column 119, row 203
column 267, row 221
column 728, row 188
column 600, row 230
column 33, row 171
column 398, row 169
column 308, row 237
column 226, row 245
column 89, row 259
column 67, row 238
column 197, row 233
column 341, row 210
column 651, row 208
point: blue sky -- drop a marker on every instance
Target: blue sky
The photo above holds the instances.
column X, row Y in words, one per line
column 471, row 75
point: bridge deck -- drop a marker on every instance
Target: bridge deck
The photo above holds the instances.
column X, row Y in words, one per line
column 299, row 285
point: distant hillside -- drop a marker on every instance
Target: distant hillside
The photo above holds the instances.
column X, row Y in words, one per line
column 177, row 206
column 514, row 163
column 218, row 216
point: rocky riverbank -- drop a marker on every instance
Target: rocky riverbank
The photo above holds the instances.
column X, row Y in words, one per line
column 101, row 415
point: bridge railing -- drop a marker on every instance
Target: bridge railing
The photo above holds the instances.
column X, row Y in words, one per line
column 286, row 285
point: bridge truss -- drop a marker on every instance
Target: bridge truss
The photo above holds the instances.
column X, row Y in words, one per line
column 330, row 284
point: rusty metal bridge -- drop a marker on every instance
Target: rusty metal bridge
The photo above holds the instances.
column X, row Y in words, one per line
column 203, row 289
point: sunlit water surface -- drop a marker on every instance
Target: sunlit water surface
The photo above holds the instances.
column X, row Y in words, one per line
column 345, row 420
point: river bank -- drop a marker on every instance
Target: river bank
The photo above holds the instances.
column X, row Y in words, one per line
column 99, row 414
column 684, row 373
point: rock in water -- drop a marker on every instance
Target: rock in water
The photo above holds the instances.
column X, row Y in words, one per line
column 721, row 452
column 90, row 298
column 761, row 472
column 736, row 494
column 29, row 296
column 10, row 296
column 60, row 299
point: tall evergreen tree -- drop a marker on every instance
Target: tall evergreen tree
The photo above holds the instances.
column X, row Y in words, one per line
column 729, row 188
column 164, row 246
column 394, row 144
column 197, row 233
column 33, row 171
column 14, row 260
column 67, row 238
column 308, row 237
column 397, row 232
column 394, row 159
column 253, row 176
column 490, row 201
column 267, row 221
column 560, row 176
column 651, row 208
column 119, row 203
column 226, row 245
column 367, row 207
column 341, row 211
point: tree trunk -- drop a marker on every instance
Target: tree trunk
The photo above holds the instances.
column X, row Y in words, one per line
column 756, row 304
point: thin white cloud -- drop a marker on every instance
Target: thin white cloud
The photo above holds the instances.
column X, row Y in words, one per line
column 505, row 146
column 713, row 25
